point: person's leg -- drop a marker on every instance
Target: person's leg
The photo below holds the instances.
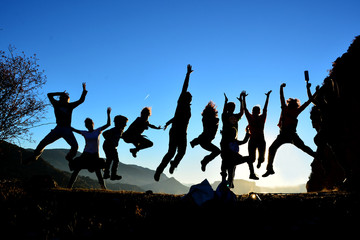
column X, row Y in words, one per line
column 115, row 160
column 280, row 140
column 100, row 178
column 252, row 149
column 48, row 139
column 143, row 143
column 261, row 148
column 301, row 145
column 168, row 156
column 107, row 162
column 73, row 178
column 181, row 150
column 215, row 151
column 195, row 141
column 69, row 137
column 238, row 159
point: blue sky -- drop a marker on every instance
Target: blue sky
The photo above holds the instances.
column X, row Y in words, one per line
column 134, row 54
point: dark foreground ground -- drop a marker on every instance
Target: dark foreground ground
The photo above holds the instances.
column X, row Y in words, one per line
column 96, row 214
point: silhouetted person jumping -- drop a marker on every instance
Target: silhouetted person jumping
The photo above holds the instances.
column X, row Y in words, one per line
column 178, row 131
column 134, row 132
column 63, row 112
column 234, row 158
column 230, row 124
column 210, row 122
column 256, row 127
column 112, row 137
column 90, row 158
column 290, row 110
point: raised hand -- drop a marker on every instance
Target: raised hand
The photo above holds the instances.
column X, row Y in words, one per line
column 268, row 93
column 226, row 99
column 189, row 69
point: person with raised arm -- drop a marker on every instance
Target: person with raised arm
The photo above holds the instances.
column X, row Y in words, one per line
column 290, row 110
column 178, row 131
column 63, row 109
column 90, row 158
column 256, row 126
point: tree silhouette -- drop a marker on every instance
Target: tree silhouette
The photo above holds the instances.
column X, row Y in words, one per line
column 20, row 104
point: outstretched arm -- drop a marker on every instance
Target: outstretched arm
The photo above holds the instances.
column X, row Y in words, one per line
column 82, row 98
column 154, row 127
column 187, row 77
column 266, row 101
column 282, row 98
column 76, row 130
column 108, row 123
column 168, row 123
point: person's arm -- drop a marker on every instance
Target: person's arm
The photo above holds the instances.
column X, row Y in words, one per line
column 246, row 138
column 241, row 100
column 76, row 130
column 305, row 104
column 266, row 101
column 168, row 123
column 108, row 123
column 282, row 98
column 82, row 98
column 247, row 113
column 52, row 95
column 186, row 81
column 154, row 127
column 225, row 103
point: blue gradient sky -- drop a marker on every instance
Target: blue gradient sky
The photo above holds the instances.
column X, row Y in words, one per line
column 134, row 54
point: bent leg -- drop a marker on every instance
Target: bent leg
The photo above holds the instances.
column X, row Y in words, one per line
column 144, row 143
column 71, row 140
column 215, row 151
column 48, row 139
column 301, row 145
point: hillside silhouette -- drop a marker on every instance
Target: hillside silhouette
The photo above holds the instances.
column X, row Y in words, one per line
column 11, row 167
column 53, row 165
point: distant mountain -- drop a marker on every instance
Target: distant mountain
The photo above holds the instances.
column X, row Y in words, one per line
column 133, row 175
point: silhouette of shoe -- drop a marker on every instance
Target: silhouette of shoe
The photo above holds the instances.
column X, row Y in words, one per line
column 192, row 144
column 253, row 176
column 203, row 165
column 259, row 164
column 157, row 175
column 268, row 173
column 115, row 177
column 133, row 152
column 172, row 168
